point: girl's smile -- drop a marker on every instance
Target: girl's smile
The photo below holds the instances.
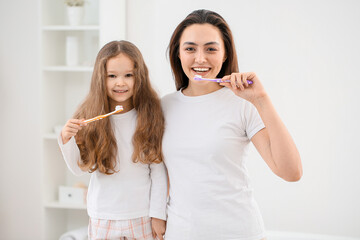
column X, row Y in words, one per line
column 120, row 91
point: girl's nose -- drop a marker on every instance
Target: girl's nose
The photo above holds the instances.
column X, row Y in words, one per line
column 120, row 81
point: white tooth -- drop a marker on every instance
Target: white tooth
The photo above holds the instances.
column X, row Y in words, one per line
column 201, row 69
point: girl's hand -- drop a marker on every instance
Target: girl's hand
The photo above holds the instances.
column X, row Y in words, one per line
column 240, row 86
column 71, row 128
column 158, row 228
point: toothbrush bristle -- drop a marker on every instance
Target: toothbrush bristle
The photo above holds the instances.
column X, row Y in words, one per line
column 197, row 77
column 118, row 107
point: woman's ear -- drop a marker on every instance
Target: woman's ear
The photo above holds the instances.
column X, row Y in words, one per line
column 224, row 58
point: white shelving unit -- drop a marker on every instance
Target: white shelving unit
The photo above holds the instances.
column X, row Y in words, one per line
column 63, row 89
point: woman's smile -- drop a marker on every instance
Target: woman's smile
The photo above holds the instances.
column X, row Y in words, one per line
column 203, row 71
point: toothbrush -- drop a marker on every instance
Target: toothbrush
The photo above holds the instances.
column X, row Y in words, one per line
column 118, row 109
column 200, row 78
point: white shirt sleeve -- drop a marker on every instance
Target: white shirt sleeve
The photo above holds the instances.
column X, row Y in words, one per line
column 158, row 192
column 71, row 155
column 253, row 121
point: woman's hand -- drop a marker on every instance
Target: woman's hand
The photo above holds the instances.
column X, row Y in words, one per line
column 158, row 228
column 71, row 128
column 240, row 86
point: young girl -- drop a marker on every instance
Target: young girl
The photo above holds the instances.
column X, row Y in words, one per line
column 128, row 186
column 208, row 130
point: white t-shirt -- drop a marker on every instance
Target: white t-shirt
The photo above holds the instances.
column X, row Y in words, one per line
column 137, row 190
column 204, row 145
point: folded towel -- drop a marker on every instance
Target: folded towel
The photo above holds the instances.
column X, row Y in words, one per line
column 76, row 234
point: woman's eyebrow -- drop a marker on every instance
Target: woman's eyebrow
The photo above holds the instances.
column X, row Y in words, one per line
column 206, row 44
column 189, row 43
column 211, row 43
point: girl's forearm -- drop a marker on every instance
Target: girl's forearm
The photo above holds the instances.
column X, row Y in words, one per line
column 283, row 149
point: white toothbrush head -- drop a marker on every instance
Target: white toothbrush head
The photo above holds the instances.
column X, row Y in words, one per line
column 118, row 108
column 197, row 77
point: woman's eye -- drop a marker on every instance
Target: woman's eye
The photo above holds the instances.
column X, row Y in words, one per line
column 190, row 49
column 111, row 76
column 212, row 49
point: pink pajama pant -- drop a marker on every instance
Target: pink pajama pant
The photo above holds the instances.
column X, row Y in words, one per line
column 132, row 229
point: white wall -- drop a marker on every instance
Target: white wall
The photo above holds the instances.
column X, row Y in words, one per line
column 20, row 109
column 307, row 55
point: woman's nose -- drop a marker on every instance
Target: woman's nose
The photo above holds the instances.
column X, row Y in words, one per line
column 200, row 57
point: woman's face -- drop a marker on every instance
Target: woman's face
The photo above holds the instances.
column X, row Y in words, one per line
column 201, row 51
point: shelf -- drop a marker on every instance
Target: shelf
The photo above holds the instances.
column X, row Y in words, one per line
column 70, row 28
column 64, row 85
column 65, row 73
column 65, row 205
column 68, row 69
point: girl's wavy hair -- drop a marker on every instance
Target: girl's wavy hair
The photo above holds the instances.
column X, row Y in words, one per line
column 202, row 17
column 96, row 141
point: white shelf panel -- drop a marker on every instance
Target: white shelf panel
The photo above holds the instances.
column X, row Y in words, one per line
column 71, row 28
column 68, row 69
column 65, row 205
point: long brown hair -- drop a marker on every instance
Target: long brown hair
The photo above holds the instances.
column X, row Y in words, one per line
column 201, row 17
column 96, row 141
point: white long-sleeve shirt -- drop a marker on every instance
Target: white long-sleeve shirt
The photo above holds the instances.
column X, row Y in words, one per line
column 137, row 190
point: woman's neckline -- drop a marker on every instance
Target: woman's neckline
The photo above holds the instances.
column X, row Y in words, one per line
column 203, row 97
column 191, row 92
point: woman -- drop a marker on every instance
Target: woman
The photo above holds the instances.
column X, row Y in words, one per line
column 208, row 129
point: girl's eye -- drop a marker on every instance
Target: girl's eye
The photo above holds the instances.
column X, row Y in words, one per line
column 129, row 75
column 111, row 76
column 212, row 49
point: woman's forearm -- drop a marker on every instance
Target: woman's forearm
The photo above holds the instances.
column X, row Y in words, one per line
column 283, row 150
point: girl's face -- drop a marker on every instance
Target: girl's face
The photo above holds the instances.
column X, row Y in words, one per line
column 201, row 51
column 120, row 81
